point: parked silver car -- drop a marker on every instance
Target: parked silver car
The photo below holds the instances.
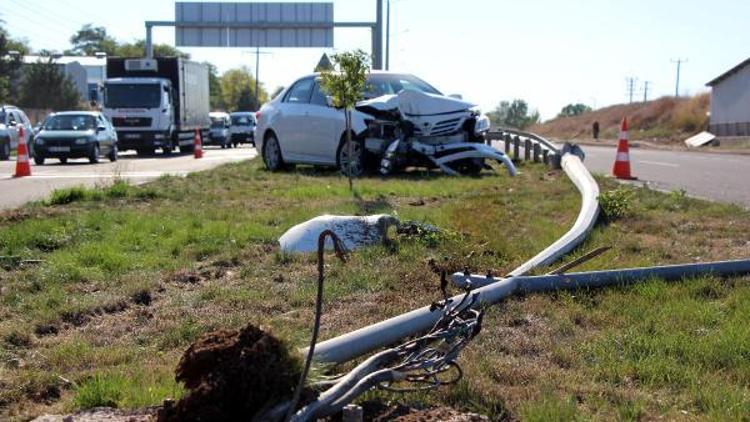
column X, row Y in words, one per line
column 403, row 121
column 76, row 134
column 11, row 119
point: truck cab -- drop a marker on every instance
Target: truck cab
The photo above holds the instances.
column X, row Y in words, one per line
column 156, row 103
column 141, row 110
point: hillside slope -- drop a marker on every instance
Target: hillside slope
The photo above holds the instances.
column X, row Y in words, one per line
column 664, row 119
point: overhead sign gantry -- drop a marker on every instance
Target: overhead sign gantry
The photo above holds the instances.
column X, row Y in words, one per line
column 202, row 24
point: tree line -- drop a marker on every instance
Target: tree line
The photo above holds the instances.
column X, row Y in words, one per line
column 45, row 85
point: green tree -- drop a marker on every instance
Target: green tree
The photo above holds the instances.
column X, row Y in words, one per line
column 238, row 91
column 574, row 110
column 345, row 83
column 214, row 87
column 9, row 66
column 513, row 114
column 45, row 85
column 138, row 49
column 90, row 39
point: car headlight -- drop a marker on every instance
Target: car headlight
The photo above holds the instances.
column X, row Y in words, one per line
column 39, row 141
column 483, row 125
column 82, row 141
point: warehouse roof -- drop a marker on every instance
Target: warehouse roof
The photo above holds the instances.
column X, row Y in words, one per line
column 729, row 73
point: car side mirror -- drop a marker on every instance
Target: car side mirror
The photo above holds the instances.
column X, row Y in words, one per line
column 101, row 129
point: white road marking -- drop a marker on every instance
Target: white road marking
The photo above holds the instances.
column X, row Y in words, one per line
column 149, row 174
column 658, row 163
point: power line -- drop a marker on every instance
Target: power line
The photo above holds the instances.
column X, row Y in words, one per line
column 677, row 82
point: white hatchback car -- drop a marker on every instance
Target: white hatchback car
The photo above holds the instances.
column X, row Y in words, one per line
column 300, row 126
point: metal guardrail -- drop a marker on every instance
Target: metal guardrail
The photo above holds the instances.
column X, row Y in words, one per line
column 535, row 147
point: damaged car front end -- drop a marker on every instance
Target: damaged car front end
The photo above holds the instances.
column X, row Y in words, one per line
column 414, row 128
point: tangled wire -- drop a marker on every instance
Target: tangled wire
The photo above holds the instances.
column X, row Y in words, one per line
column 424, row 363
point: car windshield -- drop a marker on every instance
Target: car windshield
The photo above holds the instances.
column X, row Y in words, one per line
column 70, row 122
column 387, row 84
column 132, row 96
column 241, row 121
column 218, row 122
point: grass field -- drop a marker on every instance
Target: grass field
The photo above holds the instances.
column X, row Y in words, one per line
column 129, row 276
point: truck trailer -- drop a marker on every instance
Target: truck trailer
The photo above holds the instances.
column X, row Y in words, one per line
column 156, row 103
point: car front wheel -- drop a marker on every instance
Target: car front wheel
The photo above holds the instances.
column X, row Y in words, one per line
column 357, row 161
column 39, row 160
column 113, row 153
column 5, row 151
column 94, row 154
column 272, row 157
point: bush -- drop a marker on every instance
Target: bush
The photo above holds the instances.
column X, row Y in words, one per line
column 616, row 203
column 690, row 116
column 67, row 195
column 119, row 189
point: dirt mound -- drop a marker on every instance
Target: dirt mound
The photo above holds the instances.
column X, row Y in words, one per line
column 231, row 375
column 666, row 118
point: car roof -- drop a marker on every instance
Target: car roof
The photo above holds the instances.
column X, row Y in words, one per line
column 218, row 114
column 242, row 113
column 76, row 113
column 372, row 72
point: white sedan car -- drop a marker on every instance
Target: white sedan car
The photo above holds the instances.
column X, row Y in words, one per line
column 403, row 121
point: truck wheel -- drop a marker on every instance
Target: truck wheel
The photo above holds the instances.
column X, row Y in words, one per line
column 113, row 153
column 272, row 157
column 94, row 154
column 5, row 151
column 63, row 160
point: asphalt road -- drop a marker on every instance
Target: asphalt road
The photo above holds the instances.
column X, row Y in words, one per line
column 718, row 177
column 712, row 176
column 53, row 175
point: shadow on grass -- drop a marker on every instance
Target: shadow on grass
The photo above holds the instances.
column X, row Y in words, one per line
column 412, row 173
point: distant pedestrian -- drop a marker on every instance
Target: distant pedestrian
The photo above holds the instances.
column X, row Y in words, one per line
column 595, row 129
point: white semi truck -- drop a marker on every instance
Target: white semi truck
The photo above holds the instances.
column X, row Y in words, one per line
column 156, row 103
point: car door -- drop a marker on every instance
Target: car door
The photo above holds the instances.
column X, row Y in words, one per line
column 290, row 121
column 325, row 126
column 104, row 137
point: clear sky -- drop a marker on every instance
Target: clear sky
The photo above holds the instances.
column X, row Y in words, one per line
column 548, row 52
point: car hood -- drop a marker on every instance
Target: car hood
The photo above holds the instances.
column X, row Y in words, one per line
column 65, row 133
column 413, row 104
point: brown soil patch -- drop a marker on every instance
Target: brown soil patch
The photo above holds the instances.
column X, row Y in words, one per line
column 232, row 375
column 376, row 412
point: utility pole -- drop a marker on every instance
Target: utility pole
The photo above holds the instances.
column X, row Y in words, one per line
column 645, row 90
column 677, row 83
column 388, row 35
column 257, row 53
column 631, row 87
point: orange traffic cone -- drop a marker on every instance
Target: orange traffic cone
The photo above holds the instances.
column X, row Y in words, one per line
column 621, row 170
column 23, row 167
column 198, row 145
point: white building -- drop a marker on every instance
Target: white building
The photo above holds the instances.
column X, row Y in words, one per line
column 730, row 102
column 87, row 72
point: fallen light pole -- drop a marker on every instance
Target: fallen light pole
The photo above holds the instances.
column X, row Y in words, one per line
column 364, row 340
